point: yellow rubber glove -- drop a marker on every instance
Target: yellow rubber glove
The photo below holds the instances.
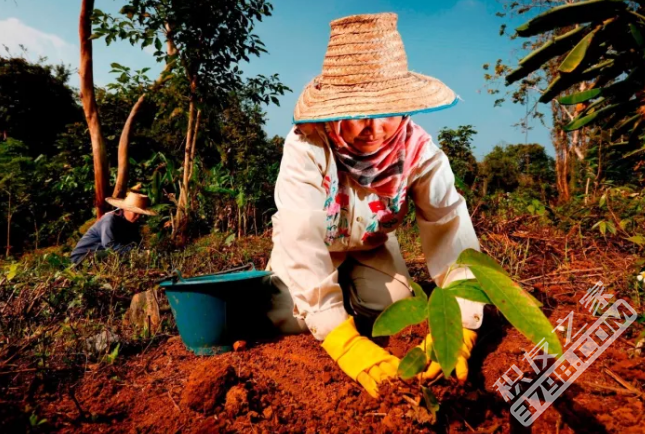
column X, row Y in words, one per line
column 360, row 358
column 461, row 368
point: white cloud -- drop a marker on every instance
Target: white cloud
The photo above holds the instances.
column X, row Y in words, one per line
column 150, row 49
column 14, row 34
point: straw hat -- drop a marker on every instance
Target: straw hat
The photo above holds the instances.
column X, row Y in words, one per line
column 135, row 202
column 365, row 75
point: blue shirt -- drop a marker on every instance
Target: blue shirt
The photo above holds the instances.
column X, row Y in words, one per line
column 113, row 231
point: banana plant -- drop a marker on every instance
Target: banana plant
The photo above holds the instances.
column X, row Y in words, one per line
column 492, row 285
column 601, row 42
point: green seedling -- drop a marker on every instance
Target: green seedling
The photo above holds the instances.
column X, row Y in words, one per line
column 492, row 285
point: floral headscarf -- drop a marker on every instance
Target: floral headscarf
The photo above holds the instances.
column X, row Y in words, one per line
column 384, row 170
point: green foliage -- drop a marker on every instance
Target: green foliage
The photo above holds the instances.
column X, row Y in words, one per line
column 611, row 51
column 110, row 358
column 236, row 167
column 569, row 14
column 444, row 320
column 577, row 98
column 413, row 363
column 457, row 145
column 492, row 284
column 35, row 93
column 519, row 167
column 618, row 212
column 209, row 40
column 513, row 302
column 469, row 290
column 51, row 308
column 399, row 316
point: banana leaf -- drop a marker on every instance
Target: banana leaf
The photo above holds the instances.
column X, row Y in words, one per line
column 581, row 121
column 559, row 84
column 576, row 56
column 549, row 50
column 518, row 74
column 593, row 106
column 616, row 118
column 637, row 130
column 570, row 14
column 636, row 34
column 637, row 151
column 578, row 97
column 625, row 126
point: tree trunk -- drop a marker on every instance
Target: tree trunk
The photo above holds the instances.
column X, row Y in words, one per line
column 124, row 141
column 192, row 145
column 182, row 204
column 90, row 108
column 8, row 227
column 560, row 140
column 239, row 221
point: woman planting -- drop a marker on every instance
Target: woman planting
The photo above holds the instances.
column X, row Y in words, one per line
column 350, row 165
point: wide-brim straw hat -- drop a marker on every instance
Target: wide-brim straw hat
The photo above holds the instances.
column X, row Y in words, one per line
column 135, row 202
column 365, row 75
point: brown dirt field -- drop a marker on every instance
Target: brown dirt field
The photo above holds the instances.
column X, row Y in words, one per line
column 290, row 385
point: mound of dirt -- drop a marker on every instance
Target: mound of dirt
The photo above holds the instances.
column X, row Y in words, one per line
column 208, row 385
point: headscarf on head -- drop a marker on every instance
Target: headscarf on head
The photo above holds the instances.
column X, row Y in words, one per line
column 384, row 170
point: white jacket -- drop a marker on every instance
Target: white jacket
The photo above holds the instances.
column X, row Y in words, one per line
column 322, row 215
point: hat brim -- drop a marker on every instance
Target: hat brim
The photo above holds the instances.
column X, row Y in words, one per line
column 413, row 93
column 120, row 203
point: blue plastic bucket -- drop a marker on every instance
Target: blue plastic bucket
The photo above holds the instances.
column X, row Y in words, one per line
column 204, row 307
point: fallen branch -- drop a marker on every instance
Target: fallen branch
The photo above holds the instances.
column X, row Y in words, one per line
column 556, row 273
column 19, row 371
column 622, row 382
column 609, row 388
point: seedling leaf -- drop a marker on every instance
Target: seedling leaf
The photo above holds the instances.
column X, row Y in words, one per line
column 472, row 257
column 418, row 291
column 413, row 363
column 444, row 319
column 431, row 401
column 400, row 315
column 517, row 306
column 468, row 289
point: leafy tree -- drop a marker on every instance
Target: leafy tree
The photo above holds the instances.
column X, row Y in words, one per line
column 15, row 182
column 209, row 39
column 251, row 159
column 608, row 50
column 524, row 167
column 457, row 145
column 500, row 171
column 35, row 103
column 592, row 51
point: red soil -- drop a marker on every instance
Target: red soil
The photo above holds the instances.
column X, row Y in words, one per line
column 290, row 385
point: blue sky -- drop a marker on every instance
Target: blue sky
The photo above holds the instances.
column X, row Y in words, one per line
column 450, row 40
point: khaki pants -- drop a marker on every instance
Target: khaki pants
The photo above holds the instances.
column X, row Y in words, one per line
column 371, row 281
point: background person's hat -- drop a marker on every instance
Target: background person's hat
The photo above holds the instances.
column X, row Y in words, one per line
column 135, row 202
column 365, row 75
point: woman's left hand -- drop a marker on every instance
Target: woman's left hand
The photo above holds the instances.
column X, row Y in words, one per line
column 461, row 369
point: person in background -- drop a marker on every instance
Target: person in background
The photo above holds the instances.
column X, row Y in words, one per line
column 117, row 230
column 351, row 165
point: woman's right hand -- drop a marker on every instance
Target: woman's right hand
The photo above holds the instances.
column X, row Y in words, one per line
column 359, row 357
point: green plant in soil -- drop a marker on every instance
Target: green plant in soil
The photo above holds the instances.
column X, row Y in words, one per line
column 492, row 285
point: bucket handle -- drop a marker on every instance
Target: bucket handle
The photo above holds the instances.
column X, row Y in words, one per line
column 176, row 274
column 250, row 266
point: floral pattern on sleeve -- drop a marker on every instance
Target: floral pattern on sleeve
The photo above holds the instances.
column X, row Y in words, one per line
column 337, row 207
column 385, row 217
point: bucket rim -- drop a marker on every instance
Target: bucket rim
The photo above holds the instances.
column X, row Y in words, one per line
column 214, row 278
